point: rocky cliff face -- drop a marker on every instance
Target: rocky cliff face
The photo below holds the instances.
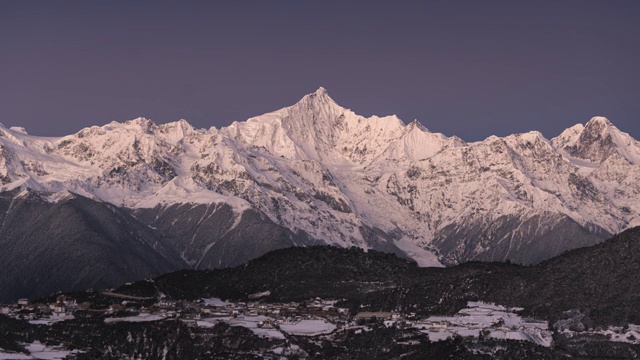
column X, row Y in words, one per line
column 319, row 173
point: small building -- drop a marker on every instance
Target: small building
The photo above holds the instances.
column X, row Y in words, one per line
column 373, row 314
column 439, row 324
column 266, row 324
column 221, row 313
column 71, row 303
column 59, row 309
column 289, row 321
column 23, row 302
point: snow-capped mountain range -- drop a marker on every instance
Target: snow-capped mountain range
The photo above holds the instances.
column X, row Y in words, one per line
column 320, row 173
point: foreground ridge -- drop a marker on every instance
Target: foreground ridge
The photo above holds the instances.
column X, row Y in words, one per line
column 328, row 302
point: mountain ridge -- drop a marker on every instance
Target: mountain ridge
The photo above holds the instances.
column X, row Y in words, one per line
column 321, row 174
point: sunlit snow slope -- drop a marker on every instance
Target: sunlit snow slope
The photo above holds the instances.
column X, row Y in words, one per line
column 319, row 173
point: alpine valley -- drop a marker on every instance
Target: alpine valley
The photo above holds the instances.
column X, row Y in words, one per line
column 131, row 200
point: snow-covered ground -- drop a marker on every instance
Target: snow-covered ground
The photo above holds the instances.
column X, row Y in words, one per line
column 51, row 320
column 37, row 351
column 494, row 321
column 309, row 327
column 215, row 302
column 137, row 318
column 615, row 333
column 249, row 322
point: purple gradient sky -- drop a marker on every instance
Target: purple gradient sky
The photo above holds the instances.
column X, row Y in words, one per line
column 469, row 68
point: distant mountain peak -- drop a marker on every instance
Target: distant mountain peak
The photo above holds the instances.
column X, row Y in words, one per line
column 142, row 121
column 599, row 120
column 318, row 98
column 416, row 124
column 597, row 126
column 139, row 124
column 597, row 140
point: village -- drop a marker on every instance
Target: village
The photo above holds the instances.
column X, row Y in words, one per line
column 41, row 313
column 276, row 320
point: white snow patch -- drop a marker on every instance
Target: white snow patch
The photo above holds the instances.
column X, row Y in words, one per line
column 13, row 356
column 59, row 196
column 615, row 333
column 137, row 318
column 249, row 322
column 423, row 257
column 499, row 321
column 19, row 129
column 185, row 191
column 13, row 185
column 311, row 327
column 215, row 302
column 37, row 351
column 51, row 320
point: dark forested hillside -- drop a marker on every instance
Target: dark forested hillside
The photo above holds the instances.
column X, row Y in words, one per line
column 601, row 280
column 591, row 289
column 74, row 244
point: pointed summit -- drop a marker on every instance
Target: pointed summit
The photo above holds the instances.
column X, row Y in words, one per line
column 598, row 126
column 600, row 120
column 175, row 131
column 321, row 93
column 139, row 124
column 319, row 101
column 595, row 141
column 140, row 121
column 416, row 124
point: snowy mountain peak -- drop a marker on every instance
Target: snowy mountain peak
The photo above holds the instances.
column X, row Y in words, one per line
column 599, row 121
column 320, row 169
column 19, row 129
column 568, row 137
column 597, row 127
column 596, row 141
column 318, row 100
column 140, row 125
column 173, row 132
column 416, row 124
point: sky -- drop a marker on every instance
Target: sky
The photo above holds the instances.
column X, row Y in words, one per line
column 466, row 68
